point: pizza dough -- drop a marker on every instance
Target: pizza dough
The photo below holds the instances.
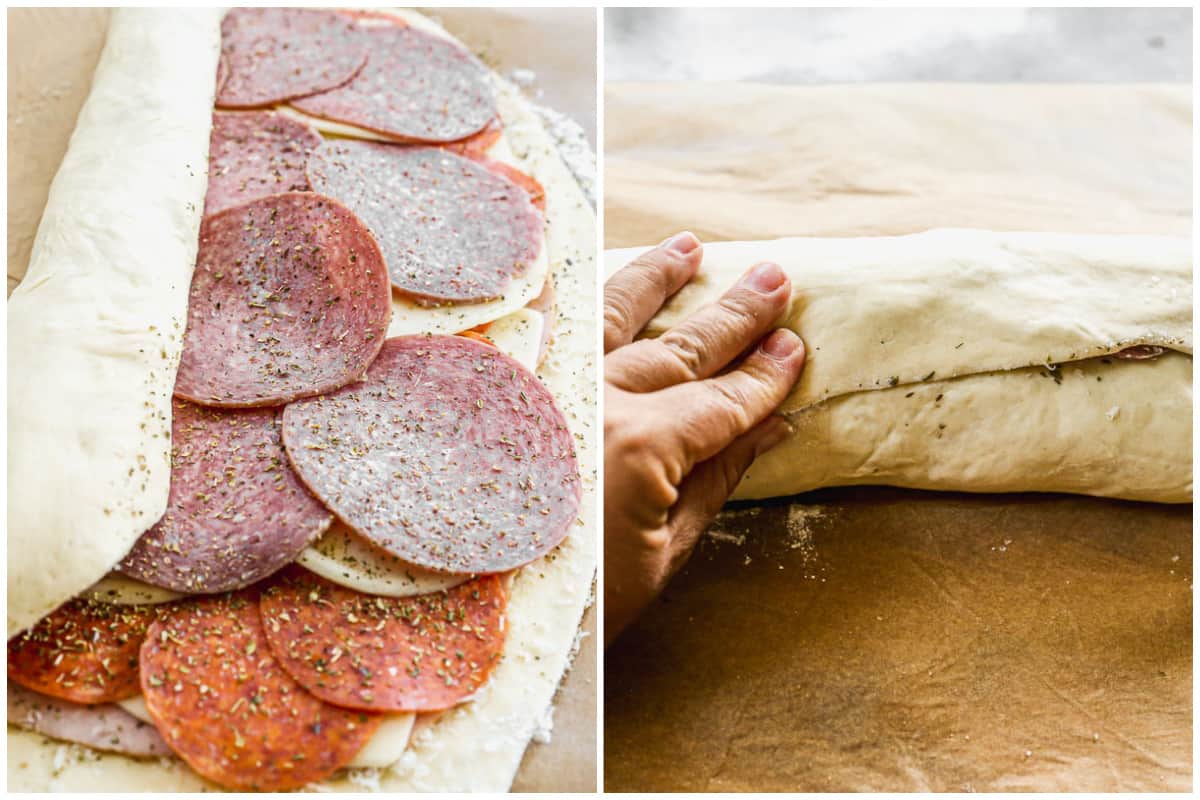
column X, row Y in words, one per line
column 976, row 361
column 110, row 268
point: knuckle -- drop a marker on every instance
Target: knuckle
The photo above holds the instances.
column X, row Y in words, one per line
column 686, row 349
column 734, row 400
column 739, row 310
column 648, row 272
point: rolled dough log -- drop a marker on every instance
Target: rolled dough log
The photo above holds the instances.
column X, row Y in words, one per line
column 96, row 327
column 975, row 361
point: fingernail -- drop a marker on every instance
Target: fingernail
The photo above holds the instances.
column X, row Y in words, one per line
column 681, row 243
column 781, row 343
column 765, row 278
column 778, row 429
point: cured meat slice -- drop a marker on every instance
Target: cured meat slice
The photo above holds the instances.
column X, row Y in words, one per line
column 356, row 650
column 103, row 727
column 290, row 298
column 415, row 87
column 477, row 144
column 275, row 54
column 235, row 512
column 253, row 154
column 532, row 187
column 84, row 651
column 228, row 709
column 450, row 455
column 1140, row 352
column 451, row 230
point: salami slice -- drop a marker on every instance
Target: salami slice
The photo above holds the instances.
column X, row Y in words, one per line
column 290, row 298
column 253, row 154
column 235, row 512
column 355, row 650
column 225, row 706
column 102, row 727
column 1141, row 352
column 450, row 455
column 275, row 54
column 85, row 652
column 415, row 87
column 451, row 230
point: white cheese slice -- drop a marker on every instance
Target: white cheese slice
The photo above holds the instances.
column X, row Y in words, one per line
column 410, row 318
column 388, row 744
column 136, row 706
column 519, row 334
column 121, row 590
column 347, row 559
column 385, row 747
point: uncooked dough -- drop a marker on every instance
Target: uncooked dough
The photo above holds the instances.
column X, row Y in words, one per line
column 96, row 326
column 976, row 361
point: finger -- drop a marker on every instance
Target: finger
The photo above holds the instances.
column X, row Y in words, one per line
column 710, row 414
column 709, row 485
column 705, row 343
column 638, row 291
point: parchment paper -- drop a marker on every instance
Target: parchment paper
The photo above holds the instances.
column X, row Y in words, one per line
column 51, row 55
column 887, row 640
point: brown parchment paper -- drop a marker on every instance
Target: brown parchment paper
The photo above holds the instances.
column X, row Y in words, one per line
column 887, row 640
column 51, row 55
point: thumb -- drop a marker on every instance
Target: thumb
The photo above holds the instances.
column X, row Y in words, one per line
column 710, row 483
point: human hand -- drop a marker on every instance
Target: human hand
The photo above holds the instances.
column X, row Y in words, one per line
column 679, row 430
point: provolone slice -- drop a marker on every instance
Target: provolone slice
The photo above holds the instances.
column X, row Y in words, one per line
column 388, row 744
column 349, row 560
column 520, row 335
column 121, row 590
column 136, row 706
column 410, row 318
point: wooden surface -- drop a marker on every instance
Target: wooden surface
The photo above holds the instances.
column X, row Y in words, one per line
column 51, row 55
column 887, row 640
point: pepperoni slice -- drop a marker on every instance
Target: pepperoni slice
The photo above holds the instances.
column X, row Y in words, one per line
column 451, row 230
column 253, row 154
column 533, row 188
column 450, row 455
column 275, row 54
column 477, row 336
column 228, row 709
column 415, row 87
column 85, row 652
column 355, row 650
column 477, row 144
column 290, row 298
column 235, row 513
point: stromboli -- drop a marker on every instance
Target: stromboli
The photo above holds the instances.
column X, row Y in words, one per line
column 976, row 361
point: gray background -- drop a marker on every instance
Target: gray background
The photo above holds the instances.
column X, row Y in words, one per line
column 835, row 45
